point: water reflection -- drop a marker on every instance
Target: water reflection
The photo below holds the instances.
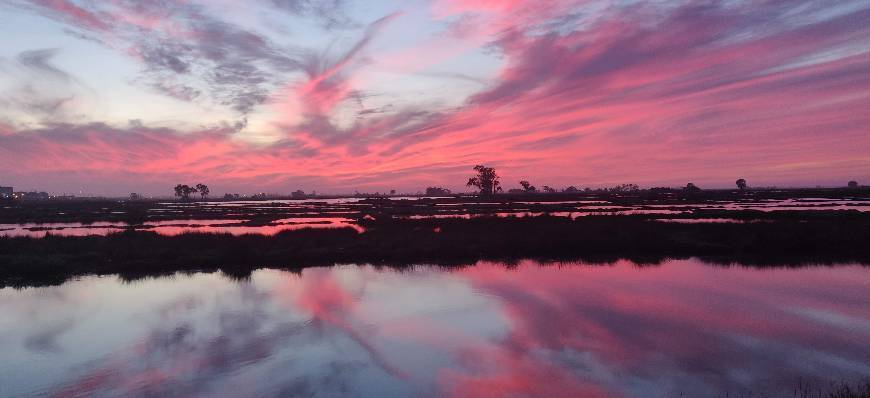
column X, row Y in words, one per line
column 557, row 330
column 273, row 216
column 177, row 227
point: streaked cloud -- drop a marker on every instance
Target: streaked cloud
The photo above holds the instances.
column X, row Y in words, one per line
column 583, row 93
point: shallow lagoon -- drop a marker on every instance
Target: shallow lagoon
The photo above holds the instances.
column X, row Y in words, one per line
column 273, row 216
column 527, row 329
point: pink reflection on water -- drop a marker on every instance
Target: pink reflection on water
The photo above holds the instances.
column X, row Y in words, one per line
column 267, row 230
column 176, row 227
column 38, row 230
column 191, row 222
column 486, row 330
column 685, row 321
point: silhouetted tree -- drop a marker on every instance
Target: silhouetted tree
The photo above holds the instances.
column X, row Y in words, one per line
column 487, row 181
column 392, row 192
column 571, row 189
column 853, row 184
column 184, row 191
column 741, row 184
column 548, row 189
column 203, row 190
column 691, row 187
column 528, row 187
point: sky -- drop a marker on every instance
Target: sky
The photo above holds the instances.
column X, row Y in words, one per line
column 118, row 96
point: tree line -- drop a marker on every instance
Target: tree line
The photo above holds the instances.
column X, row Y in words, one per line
column 487, row 181
column 183, row 191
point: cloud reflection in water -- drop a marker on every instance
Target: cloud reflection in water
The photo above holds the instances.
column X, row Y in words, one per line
column 572, row 330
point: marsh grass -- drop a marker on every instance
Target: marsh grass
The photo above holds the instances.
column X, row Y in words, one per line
column 822, row 239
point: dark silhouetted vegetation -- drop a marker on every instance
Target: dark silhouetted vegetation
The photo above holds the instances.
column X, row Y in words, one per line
column 839, row 389
column 691, row 187
column 437, row 191
column 203, row 190
column 624, row 188
column 528, row 187
column 184, row 191
column 824, row 237
column 741, row 184
column 486, row 180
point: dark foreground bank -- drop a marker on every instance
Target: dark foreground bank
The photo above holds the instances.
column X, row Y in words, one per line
column 826, row 237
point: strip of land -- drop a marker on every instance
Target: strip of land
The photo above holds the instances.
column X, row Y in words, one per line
column 823, row 237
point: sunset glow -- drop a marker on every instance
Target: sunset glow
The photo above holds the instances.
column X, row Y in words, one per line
column 118, row 96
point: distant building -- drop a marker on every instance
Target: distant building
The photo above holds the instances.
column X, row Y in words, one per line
column 6, row 192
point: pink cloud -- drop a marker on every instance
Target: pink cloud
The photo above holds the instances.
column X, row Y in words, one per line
column 650, row 95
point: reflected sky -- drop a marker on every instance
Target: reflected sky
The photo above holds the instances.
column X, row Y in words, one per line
column 233, row 217
column 489, row 330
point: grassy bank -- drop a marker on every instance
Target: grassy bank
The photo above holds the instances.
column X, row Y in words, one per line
column 826, row 237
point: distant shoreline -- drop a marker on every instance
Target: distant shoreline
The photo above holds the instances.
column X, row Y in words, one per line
column 599, row 192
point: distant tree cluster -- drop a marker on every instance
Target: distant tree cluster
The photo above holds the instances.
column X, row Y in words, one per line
column 624, row 188
column 183, row 191
column 528, row 187
column 691, row 187
column 487, row 181
column 437, row 191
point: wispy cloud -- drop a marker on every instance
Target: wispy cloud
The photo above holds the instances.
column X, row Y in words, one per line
column 184, row 49
column 586, row 92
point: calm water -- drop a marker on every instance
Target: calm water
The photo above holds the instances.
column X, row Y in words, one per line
column 557, row 330
column 343, row 212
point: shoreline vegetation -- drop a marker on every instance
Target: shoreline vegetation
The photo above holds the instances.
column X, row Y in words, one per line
column 791, row 238
column 781, row 227
column 90, row 210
